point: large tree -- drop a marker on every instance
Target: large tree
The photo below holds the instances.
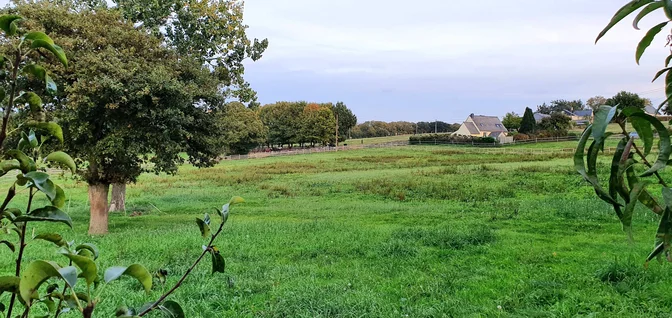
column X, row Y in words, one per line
column 346, row 120
column 318, row 124
column 557, row 122
column 129, row 104
column 283, row 120
column 560, row 106
column 528, row 124
column 626, row 99
column 243, row 130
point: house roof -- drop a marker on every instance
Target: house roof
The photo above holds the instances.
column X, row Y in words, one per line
column 539, row 116
column 583, row 113
column 488, row 123
column 471, row 127
column 650, row 110
column 495, row 134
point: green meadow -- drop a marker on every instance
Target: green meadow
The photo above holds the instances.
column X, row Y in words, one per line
column 424, row 231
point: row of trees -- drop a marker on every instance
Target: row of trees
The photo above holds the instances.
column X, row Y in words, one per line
column 303, row 123
column 621, row 98
column 372, row 129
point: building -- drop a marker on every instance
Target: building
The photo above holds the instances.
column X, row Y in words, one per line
column 580, row 117
column 484, row 126
column 539, row 116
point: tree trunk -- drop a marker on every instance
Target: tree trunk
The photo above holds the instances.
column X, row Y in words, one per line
column 118, row 201
column 98, row 201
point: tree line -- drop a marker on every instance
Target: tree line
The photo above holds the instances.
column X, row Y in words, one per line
column 557, row 122
column 370, row 129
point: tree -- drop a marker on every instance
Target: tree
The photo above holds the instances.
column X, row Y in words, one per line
column 128, row 102
column 512, row 121
column 595, row 102
column 528, row 124
column 560, row 106
column 318, row 124
column 557, row 122
column 243, row 130
column 210, row 31
column 626, row 99
column 346, row 120
column 283, row 120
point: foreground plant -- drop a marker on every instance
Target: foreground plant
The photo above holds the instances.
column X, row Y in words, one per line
column 29, row 288
column 631, row 170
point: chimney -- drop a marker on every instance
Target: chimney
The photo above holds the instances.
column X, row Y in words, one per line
column 472, row 115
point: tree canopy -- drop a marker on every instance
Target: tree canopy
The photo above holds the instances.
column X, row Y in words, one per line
column 528, row 123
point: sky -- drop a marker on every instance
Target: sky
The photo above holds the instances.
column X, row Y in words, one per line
column 427, row 60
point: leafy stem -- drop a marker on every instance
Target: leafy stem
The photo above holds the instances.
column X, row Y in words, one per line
column 642, row 156
column 22, row 246
column 12, row 95
column 179, row 282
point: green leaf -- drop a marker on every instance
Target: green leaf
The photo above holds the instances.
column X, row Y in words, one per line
column 9, row 244
column 89, row 247
column 630, row 207
column 218, row 263
column 645, row 197
column 34, row 102
column 86, row 265
column 58, row 200
column 660, row 248
column 580, row 166
column 172, row 309
column 8, row 23
column 41, row 73
column 647, row 39
column 622, row 13
column 603, row 117
column 665, row 149
column 225, row 212
column 136, row 271
column 46, row 214
column 661, row 72
column 204, row 227
column 37, row 35
column 41, row 181
column 9, row 284
column 53, row 48
column 62, row 158
column 642, row 126
column 11, row 192
column 9, row 165
column 616, row 180
column 32, row 139
column 53, row 238
column 648, row 9
column 25, row 163
column 668, row 60
column 38, row 272
column 52, row 129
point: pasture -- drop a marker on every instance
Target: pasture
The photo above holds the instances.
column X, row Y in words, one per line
column 425, row 231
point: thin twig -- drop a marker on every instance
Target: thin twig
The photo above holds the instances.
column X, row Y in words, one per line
column 179, row 282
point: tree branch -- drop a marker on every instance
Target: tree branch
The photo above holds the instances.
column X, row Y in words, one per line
column 179, row 282
column 22, row 246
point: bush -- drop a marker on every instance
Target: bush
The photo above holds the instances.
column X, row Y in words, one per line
column 445, row 138
column 521, row 137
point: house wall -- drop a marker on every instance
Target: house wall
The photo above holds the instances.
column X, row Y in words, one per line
column 464, row 131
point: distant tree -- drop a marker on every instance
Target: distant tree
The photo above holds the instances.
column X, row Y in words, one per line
column 557, row 122
column 528, row 124
column 283, row 120
column 627, row 99
column 318, row 124
column 560, row 106
column 512, row 121
column 242, row 129
column 596, row 101
column 346, row 120
column 543, row 109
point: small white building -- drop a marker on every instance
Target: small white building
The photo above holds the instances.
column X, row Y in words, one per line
column 484, row 126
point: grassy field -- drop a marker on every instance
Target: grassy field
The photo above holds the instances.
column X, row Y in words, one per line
column 403, row 232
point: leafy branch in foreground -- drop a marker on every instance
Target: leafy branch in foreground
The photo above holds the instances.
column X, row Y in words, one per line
column 632, row 173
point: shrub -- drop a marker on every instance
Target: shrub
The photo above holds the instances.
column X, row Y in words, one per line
column 521, row 137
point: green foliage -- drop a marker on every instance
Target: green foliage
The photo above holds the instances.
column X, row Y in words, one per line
column 556, row 123
column 560, row 106
column 528, row 124
column 512, row 121
column 242, row 128
column 346, row 120
column 628, row 157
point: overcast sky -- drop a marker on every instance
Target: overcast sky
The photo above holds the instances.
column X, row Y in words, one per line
column 444, row 59
column 437, row 59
